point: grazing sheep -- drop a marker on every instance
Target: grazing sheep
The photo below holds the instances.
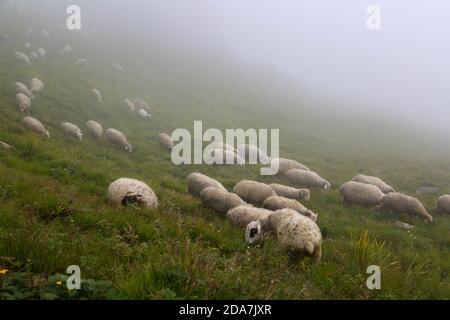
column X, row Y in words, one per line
column 72, row 130
column 292, row 230
column 116, row 137
column 276, row 203
column 94, row 128
column 197, row 182
column 21, row 88
column 34, row 55
column 117, row 67
column 143, row 114
column 22, row 57
column 253, row 192
column 222, row 156
column 36, row 126
column 219, row 200
column 98, row 95
column 360, row 193
column 37, row 86
column 285, row 165
column 130, row 105
column 385, row 188
column 400, row 203
column 166, row 141
column 308, row 179
column 67, row 49
column 83, row 62
column 125, row 191
column 252, row 153
column 141, row 104
column 23, row 103
column 5, row 146
column 27, row 46
column 42, row 53
column 290, row 192
column 243, row 215
column 443, row 204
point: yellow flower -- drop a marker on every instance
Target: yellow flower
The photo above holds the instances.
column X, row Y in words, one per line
column 59, row 283
column 4, row 271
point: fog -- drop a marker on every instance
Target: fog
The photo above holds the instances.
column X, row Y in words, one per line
column 324, row 47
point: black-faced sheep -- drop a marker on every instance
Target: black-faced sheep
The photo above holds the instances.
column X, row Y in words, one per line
column 275, row 203
column 307, row 179
column 114, row 136
column 196, row 182
column 253, row 192
column 126, row 191
column 384, row 187
column 219, row 200
column 360, row 193
column 290, row 192
column 395, row 202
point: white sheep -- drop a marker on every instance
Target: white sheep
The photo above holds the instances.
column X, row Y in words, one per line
column 37, row 86
column 94, row 128
column 143, row 114
column 98, row 95
column 130, row 105
column 34, row 55
column 196, row 182
column 290, row 192
column 42, row 53
column 284, row 165
column 253, row 192
column 23, row 103
column 219, row 200
column 307, row 179
column 166, row 141
column 5, row 146
column 141, row 104
column 117, row 67
column 116, row 137
column 243, row 215
column 125, row 191
column 384, row 187
column 360, row 193
column 253, row 153
column 396, row 202
column 221, row 145
column 291, row 229
column 22, row 88
column 36, row 126
column 67, row 49
column 83, row 62
column 222, row 156
column 276, row 203
column 72, row 130
column 443, row 204
column 22, row 57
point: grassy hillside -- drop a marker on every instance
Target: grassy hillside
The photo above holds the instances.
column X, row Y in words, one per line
column 54, row 213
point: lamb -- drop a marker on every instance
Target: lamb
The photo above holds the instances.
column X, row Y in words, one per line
column 72, row 130
column 395, row 202
column 98, row 95
column 253, row 153
column 284, row 165
column 23, row 103
column 276, row 203
column 94, row 128
column 36, row 126
column 22, row 57
column 243, row 215
column 166, row 141
column 5, row 146
column 385, row 188
column 443, row 204
column 221, row 156
column 37, row 86
column 21, row 88
column 219, row 200
column 253, row 192
column 291, row 229
column 125, row 191
column 42, row 52
column 130, row 105
column 116, row 137
column 366, row 195
column 117, row 67
column 197, row 182
column 67, row 49
column 307, row 179
column 291, row 193
column 83, row 62
column 141, row 104
column 143, row 114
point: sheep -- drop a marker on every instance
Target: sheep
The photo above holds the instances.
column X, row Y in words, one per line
column 222, row 156
column 396, row 202
column 42, row 52
column 34, row 55
column 94, row 128
column 443, row 204
column 141, row 104
column 130, row 105
column 83, row 62
column 291, row 229
column 116, row 137
column 366, row 195
column 290, row 192
column 67, row 49
column 21, row 88
column 117, row 67
column 125, row 191
column 253, row 192
column 276, row 203
column 36, row 126
column 166, row 141
column 22, row 57
column 385, row 188
column 23, row 103
column 37, row 86
column 243, row 215
column 253, row 153
column 307, row 179
column 143, row 114
column 27, row 45
column 5, row 146
column 219, row 200
column 98, row 95
column 196, row 182
column 72, row 130
column 284, row 165
column 221, row 145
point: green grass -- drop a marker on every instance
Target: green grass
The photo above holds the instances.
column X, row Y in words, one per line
column 54, row 212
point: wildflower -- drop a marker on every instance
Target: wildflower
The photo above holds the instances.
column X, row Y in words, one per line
column 4, row 271
column 59, row 283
